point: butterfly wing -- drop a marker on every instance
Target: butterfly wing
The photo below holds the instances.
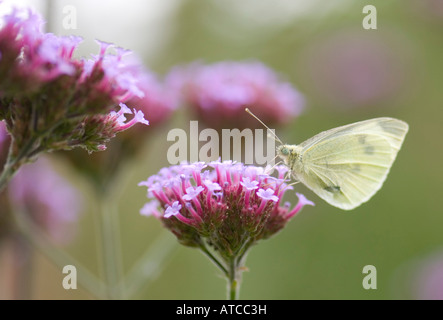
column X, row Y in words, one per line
column 346, row 166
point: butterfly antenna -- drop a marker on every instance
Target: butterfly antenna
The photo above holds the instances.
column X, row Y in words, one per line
column 271, row 131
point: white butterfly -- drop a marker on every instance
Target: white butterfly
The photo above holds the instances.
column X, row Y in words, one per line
column 347, row 165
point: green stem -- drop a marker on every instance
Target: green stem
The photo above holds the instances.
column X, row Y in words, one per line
column 111, row 250
column 150, row 265
column 214, row 260
column 13, row 163
column 241, row 256
column 6, row 175
column 22, row 272
column 39, row 241
column 233, row 281
column 28, row 151
column 120, row 282
column 236, row 266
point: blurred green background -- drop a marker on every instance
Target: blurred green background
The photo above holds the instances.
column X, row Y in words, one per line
column 346, row 74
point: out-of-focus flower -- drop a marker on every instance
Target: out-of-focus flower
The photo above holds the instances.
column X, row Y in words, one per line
column 219, row 93
column 431, row 9
column 3, row 134
column 354, row 70
column 47, row 198
column 52, row 101
column 4, row 143
column 159, row 101
column 428, row 279
column 230, row 207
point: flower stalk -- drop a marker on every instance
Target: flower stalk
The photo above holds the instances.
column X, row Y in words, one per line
column 22, row 256
column 110, row 248
column 214, row 259
column 14, row 163
column 234, row 280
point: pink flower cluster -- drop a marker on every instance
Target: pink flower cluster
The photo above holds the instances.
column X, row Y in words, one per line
column 219, row 93
column 45, row 91
column 230, row 206
column 30, row 57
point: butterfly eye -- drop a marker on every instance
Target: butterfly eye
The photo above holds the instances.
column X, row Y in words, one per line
column 284, row 151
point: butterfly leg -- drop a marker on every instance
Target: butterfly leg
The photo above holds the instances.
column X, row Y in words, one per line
column 268, row 171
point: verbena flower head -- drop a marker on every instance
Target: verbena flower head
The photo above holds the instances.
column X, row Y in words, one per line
column 29, row 57
column 158, row 102
column 53, row 101
column 47, row 198
column 219, row 93
column 226, row 205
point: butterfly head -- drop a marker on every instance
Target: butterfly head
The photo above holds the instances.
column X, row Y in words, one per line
column 288, row 153
column 283, row 151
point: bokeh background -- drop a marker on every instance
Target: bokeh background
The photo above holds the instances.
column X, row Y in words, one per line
column 346, row 74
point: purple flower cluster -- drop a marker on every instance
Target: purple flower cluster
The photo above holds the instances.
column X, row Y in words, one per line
column 219, row 93
column 157, row 101
column 29, row 57
column 52, row 101
column 230, row 207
